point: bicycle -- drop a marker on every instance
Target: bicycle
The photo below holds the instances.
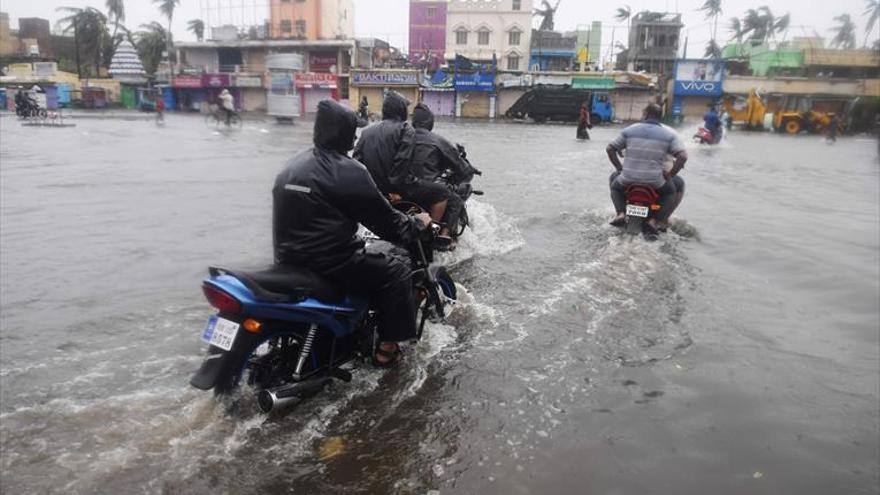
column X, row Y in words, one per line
column 217, row 117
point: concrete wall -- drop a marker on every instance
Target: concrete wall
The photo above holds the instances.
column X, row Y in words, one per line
column 499, row 18
column 337, row 19
column 843, row 87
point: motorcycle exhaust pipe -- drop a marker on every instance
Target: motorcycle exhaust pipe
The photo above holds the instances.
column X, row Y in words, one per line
column 279, row 397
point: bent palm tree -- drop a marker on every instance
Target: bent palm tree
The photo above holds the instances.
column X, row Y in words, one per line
column 624, row 14
column 89, row 28
column 116, row 11
column 151, row 42
column 872, row 12
column 712, row 9
column 167, row 8
column 845, row 33
column 197, row 27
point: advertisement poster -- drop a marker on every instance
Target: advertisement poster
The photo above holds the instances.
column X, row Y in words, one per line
column 699, row 77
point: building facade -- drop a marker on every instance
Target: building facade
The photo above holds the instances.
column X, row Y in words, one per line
column 427, row 32
column 552, row 51
column 481, row 30
column 654, row 39
column 311, row 19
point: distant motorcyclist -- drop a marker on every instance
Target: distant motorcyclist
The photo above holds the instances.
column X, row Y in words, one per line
column 712, row 123
column 386, row 149
column 432, row 156
column 647, row 145
column 319, row 199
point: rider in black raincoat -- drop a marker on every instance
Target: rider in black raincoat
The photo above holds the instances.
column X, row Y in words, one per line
column 319, row 199
column 386, row 149
column 433, row 155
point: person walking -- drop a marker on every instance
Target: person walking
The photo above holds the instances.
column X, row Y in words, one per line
column 584, row 122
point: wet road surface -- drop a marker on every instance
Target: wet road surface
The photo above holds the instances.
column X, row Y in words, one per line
column 738, row 354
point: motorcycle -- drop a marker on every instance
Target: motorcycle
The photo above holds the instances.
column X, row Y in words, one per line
column 29, row 108
column 642, row 203
column 705, row 136
column 462, row 187
column 287, row 332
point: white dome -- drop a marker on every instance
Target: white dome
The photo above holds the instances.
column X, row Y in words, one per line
column 126, row 65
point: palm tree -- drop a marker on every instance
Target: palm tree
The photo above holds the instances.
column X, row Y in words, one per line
column 89, row 28
column 712, row 50
column 872, row 12
column 737, row 28
column 845, row 33
column 167, row 9
column 624, row 14
column 151, row 42
column 712, row 9
column 116, row 11
column 197, row 27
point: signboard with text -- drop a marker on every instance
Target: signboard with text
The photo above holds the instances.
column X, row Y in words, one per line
column 322, row 62
column 385, row 78
column 698, row 77
column 215, row 80
column 247, row 81
column 316, row 80
column 478, row 81
column 187, row 82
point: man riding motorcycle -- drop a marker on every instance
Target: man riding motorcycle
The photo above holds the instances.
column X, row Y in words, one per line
column 432, row 156
column 712, row 123
column 386, row 149
column 647, row 143
column 319, row 199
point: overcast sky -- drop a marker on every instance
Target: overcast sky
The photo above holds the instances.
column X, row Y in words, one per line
column 388, row 19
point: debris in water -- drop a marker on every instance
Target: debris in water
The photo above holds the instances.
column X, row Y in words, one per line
column 331, row 447
column 758, row 475
column 438, row 470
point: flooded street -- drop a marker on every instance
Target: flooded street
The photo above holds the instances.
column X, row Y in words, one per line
column 740, row 353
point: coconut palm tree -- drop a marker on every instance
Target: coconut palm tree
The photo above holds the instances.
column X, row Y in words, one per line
column 90, row 33
column 167, row 8
column 844, row 33
column 712, row 50
column 712, row 9
column 624, row 14
column 116, row 12
column 151, row 41
column 197, row 27
column 872, row 12
column 737, row 28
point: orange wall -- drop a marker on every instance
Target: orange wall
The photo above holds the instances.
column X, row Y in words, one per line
column 295, row 10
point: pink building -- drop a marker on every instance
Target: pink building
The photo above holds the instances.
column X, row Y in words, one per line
column 427, row 32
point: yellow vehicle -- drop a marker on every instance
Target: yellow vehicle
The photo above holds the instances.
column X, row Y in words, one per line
column 749, row 111
column 802, row 113
column 791, row 114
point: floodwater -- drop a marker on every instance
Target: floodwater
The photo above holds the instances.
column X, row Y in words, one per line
column 740, row 353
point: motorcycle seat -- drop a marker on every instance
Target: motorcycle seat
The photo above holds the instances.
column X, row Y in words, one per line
column 285, row 283
column 639, row 193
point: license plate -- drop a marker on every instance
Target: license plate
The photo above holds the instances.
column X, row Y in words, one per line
column 637, row 211
column 220, row 332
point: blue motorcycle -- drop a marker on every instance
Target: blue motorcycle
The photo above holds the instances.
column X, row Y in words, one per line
column 286, row 332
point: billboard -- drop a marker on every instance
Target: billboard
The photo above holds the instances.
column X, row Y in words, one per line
column 699, row 77
column 385, row 78
column 478, row 81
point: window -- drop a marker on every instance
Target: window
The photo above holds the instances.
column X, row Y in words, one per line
column 461, row 37
column 300, row 28
column 517, row 4
column 513, row 62
column 483, row 37
column 513, row 38
column 285, row 26
column 430, row 12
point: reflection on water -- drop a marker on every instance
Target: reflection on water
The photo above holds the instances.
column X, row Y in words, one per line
column 739, row 351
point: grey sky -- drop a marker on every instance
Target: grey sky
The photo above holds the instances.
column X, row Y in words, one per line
column 388, row 19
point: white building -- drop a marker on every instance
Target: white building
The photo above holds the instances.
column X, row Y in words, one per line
column 478, row 29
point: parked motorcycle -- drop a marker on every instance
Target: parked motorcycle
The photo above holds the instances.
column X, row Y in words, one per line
column 287, row 332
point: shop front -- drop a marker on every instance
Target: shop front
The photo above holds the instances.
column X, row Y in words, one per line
column 252, row 95
column 475, row 95
column 214, row 84
column 314, row 87
column 375, row 83
column 438, row 93
column 697, row 85
column 189, row 94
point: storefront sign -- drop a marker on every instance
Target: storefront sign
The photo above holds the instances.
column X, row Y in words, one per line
column 215, row 80
column 605, row 83
column 45, row 69
column 187, row 82
column 316, row 80
column 385, row 78
column 19, row 69
column 478, row 81
column 322, row 62
column 698, row 77
column 551, row 80
column 247, row 82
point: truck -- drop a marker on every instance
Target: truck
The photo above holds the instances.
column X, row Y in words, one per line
column 561, row 103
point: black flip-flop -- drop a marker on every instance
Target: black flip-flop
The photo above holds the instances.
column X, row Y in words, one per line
column 394, row 358
column 618, row 222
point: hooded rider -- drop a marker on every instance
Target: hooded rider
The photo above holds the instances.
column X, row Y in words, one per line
column 386, row 149
column 227, row 103
column 319, row 199
column 432, row 156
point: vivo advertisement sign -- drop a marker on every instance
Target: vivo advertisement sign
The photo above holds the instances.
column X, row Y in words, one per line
column 699, row 77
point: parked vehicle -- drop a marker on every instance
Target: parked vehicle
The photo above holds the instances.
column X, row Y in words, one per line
column 545, row 103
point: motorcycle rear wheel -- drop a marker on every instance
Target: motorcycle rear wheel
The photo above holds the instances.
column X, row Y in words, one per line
column 634, row 225
column 269, row 363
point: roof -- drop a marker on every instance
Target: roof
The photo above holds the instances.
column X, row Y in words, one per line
column 208, row 45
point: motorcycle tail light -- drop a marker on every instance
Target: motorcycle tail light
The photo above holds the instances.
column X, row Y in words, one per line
column 655, row 207
column 252, row 326
column 221, row 300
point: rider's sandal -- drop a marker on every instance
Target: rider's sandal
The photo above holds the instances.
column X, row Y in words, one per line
column 393, row 358
column 618, row 222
